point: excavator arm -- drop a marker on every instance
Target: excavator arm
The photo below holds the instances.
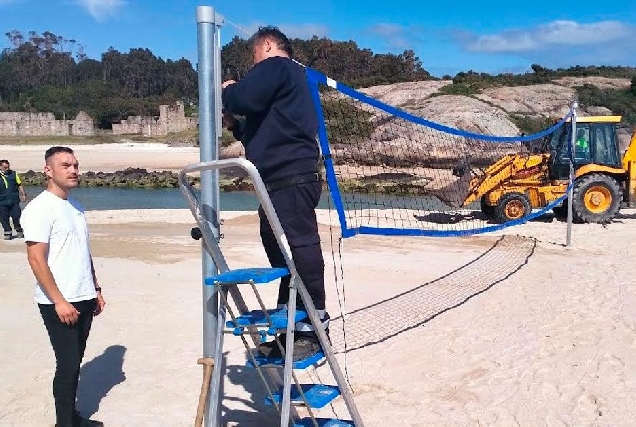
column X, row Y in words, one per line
column 513, row 170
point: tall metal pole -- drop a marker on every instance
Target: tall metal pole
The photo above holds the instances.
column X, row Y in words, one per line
column 572, row 144
column 208, row 41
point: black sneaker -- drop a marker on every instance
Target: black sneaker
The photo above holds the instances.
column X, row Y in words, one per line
column 19, row 235
column 8, row 236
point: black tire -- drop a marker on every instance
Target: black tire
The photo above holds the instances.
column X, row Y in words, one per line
column 600, row 190
column 486, row 209
column 512, row 206
column 561, row 212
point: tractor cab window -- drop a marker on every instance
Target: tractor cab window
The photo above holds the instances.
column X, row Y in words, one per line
column 594, row 143
column 560, row 145
column 582, row 152
column 556, row 137
column 560, row 153
column 605, row 145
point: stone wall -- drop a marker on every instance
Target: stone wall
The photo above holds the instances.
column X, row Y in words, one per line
column 171, row 119
column 44, row 124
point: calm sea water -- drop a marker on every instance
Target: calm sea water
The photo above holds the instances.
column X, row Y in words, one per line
column 105, row 198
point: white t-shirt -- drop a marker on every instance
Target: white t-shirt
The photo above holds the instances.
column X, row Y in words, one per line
column 61, row 224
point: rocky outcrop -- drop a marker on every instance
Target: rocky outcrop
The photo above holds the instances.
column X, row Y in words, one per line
column 468, row 114
column 140, row 178
column 598, row 81
column 492, row 114
column 406, row 94
column 547, row 100
column 374, row 151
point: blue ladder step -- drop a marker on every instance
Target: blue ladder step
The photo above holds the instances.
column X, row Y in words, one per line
column 257, row 318
column 256, row 275
column 280, row 362
column 324, row 422
column 316, row 395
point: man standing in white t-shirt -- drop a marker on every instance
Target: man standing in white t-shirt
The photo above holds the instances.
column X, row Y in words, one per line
column 67, row 291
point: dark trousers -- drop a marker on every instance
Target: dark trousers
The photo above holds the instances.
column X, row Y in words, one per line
column 295, row 207
column 10, row 211
column 69, row 343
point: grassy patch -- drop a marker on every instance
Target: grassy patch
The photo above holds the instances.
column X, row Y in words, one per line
column 531, row 125
column 619, row 101
column 458, row 89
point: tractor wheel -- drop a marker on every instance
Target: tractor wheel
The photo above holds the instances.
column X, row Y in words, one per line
column 512, row 206
column 597, row 198
column 486, row 209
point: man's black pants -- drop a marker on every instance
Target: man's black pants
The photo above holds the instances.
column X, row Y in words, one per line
column 10, row 211
column 69, row 343
column 295, row 206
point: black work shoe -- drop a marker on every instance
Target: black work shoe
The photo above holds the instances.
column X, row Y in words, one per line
column 90, row 423
column 8, row 236
column 268, row 348
column 306, row 344
column 19, row 235
column 83, row 422
column 79, row 421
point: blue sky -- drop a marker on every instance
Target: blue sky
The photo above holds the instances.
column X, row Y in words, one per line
column 491, row 36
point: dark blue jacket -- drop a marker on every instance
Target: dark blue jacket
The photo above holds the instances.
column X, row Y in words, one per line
column 9, row 183
column 280, row 127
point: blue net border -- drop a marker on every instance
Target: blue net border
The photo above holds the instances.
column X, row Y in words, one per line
column 315, row 79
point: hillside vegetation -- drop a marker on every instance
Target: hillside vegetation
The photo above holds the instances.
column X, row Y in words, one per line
column 47, row 72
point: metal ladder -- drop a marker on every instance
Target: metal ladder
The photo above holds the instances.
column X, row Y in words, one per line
column 262, row 322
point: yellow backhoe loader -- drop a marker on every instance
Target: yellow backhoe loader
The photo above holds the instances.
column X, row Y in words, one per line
column 510, row 188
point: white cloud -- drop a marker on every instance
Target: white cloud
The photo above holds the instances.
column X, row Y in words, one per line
column 398, row 37
column 552, row 35
column 101, row 9
column 560, row 43
column 387, row 30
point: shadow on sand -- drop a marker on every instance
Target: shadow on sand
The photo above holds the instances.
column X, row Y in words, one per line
column 98, row 377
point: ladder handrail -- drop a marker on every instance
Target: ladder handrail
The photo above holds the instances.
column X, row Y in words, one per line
column 214, row 250
column 272, row 217
column 261, row 193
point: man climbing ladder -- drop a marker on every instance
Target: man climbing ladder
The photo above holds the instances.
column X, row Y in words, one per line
column 279, row 134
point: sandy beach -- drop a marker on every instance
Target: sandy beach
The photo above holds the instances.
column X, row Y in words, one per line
column 502, row 329
column 106, row 157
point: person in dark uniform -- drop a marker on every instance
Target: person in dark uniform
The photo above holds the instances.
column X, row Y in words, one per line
column 279, row 132
column 11, row 193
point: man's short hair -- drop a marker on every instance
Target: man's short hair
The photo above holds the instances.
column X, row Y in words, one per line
column 57, row 149
column 271, row 32
column 4, row 162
